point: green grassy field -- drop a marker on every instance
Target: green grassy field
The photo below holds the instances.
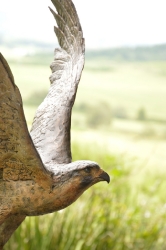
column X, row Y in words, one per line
column 129, row 213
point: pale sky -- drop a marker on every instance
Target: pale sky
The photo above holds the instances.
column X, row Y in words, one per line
column 105, row 23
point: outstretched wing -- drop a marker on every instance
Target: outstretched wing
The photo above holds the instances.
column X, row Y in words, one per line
column 19, row 159
column 51, row 126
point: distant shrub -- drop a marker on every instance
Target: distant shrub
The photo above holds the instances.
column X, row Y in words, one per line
column 141, row 114
column 120, row 112
column 95, row 115
column 99, row 115
column 82, row 107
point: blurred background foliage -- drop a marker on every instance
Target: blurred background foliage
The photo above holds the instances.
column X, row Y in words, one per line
column 118, row 120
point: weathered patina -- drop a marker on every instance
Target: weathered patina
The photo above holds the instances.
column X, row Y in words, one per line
column 37, row 175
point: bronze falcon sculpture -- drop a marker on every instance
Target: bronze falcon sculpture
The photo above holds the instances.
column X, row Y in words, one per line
column 37, row 175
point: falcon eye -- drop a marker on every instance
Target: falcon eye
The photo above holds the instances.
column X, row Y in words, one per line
column 87, row 169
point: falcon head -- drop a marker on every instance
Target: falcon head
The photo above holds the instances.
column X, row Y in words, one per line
column 74, row 178
column 87, row 173
column 82, row 174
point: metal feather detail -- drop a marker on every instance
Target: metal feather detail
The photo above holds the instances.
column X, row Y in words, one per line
column 51, row 126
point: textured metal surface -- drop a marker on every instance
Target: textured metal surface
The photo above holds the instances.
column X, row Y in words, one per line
column 51, row 126
column 37, row 176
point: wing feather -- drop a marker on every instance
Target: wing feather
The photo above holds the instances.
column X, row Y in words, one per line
column 66, row 31
column 51, row 126
column 65, row 13
column 61, row 39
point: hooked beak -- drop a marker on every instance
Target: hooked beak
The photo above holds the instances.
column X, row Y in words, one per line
column 104, row 176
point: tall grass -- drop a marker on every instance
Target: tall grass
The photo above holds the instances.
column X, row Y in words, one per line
column 129, row 213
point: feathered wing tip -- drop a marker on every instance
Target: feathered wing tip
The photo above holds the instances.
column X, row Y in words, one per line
column 51, row 126
column 70, row 37
column 69, row 31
